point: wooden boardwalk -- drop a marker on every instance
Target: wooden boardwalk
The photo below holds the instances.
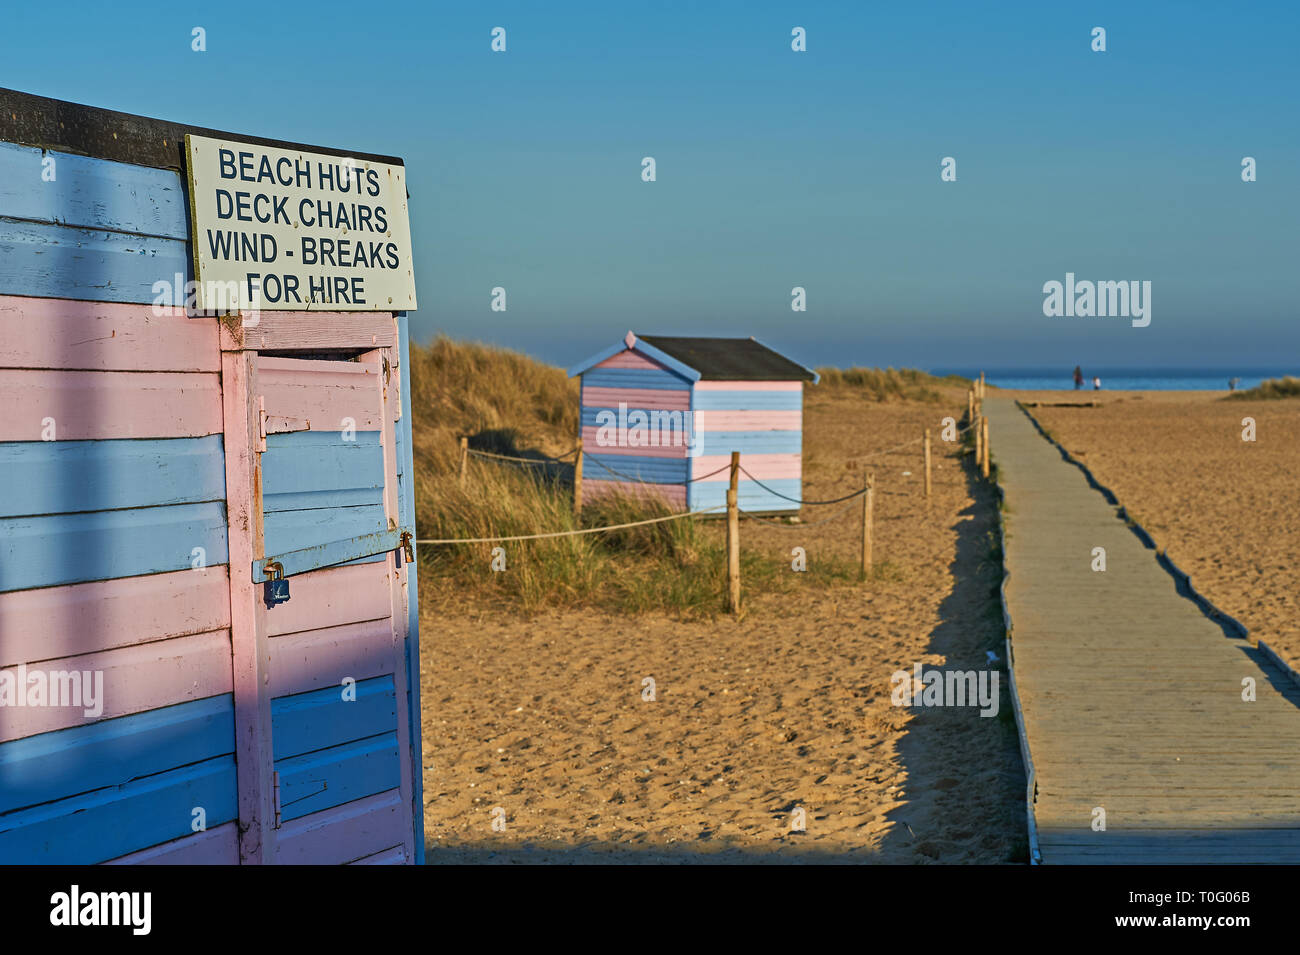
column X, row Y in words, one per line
column 1131, row 697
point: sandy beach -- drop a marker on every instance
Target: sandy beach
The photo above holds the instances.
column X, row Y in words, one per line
column 787, row 706
column 1227, row 510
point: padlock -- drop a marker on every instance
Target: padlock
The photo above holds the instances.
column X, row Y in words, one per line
column 276, row 589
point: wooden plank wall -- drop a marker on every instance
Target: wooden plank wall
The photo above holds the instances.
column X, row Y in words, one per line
column 113, row 534
column 763, row 420
column 646, row 387
column 128, row 525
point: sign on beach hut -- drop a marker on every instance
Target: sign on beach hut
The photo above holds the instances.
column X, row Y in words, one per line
column 662, row 415
column 208, row 636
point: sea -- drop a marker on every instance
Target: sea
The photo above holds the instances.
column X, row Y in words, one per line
column 1122, row 379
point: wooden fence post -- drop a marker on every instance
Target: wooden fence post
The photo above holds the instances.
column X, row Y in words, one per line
column 464, row 458
column 984, row 466
column 970, row 406
column 978, row 424
column 868, row 507
column 577, row 483
column 733, row 537
column 927, row 463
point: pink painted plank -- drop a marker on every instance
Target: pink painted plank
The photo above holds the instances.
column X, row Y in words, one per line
column 672, row 494
column 749, row 420
column 631, row 359
column 761, row 466
column 395, row 856
column 104, row 336
column 749, row 385
column 322, row 392
column 599, row 397
column 108, row 404
column 135, row 679
column 333, row 597
column 249, row 645
column 55, row 622
column 310, row 330
column 343, row 833
column 219, row 846
column 592, row 444
column 315, row 658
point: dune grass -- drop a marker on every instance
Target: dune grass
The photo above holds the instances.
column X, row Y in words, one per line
column 883, row 384
column 1287, row 387
column 509, row 403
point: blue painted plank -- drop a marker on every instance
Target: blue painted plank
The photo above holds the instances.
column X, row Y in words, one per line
column 91, row 193
column 287, row 531
column 112, row 822
column 750, row 497
column 406, row 510
column 54, row 261
column 71, row 548
column 340, row 774
column 596, row 359
column 647, row 350
column 747, row 400
column 748, row 442
column 368, row 548
column 80, row 759
column 632, row 467
column 310, row 469
column 306, row 722
column 58, row 477
column 634, row 378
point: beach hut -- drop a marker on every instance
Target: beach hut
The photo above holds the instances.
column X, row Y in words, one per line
column 661, row 415
column 168, row 477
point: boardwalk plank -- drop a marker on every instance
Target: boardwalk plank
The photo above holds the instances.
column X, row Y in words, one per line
column 1131, row 695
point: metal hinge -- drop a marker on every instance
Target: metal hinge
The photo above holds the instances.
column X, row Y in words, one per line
column 275, row 790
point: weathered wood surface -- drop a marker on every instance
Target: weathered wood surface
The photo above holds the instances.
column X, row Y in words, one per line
column 1131, row 696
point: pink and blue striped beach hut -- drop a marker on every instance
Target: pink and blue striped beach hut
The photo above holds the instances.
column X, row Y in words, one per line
column 661, row 415
column 153, row 463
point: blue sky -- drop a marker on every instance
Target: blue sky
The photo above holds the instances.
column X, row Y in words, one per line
column 775, row 169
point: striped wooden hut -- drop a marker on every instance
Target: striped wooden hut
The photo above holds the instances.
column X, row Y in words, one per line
column 662, row 415
column 152, row 707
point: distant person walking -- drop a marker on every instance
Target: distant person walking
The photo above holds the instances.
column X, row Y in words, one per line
column 1096, row 383
column 1078, row 377
column 1232, row 383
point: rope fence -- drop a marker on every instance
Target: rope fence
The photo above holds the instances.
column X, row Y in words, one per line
column 976, row 422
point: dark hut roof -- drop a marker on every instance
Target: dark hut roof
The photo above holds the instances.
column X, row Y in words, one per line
column 730, row 359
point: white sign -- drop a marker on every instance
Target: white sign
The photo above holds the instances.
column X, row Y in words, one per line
column 282, row 229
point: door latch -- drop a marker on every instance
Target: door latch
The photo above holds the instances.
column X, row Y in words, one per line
column 276, row 589
column 405, row 547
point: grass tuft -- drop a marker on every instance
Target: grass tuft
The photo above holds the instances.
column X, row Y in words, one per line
column 1287, row 387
